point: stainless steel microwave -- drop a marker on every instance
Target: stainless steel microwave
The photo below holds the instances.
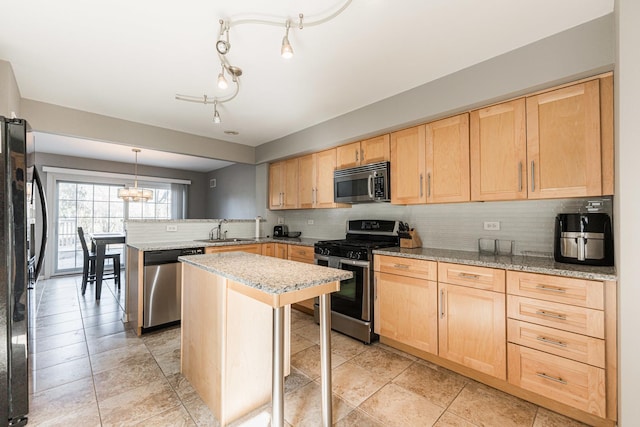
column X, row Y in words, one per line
column 362, row 184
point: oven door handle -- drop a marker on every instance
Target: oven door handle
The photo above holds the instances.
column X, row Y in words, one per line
column 353, row 262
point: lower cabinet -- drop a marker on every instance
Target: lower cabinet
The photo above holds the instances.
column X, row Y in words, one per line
column 276, row 250
column 252, row 249
column 302, row 254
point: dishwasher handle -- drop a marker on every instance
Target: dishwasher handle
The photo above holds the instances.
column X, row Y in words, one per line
column 168, row 256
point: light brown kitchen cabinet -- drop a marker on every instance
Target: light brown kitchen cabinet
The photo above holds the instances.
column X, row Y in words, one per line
column 370, row 150
column 498, row 152
column 276, row 250
column 447, row 161
column 302, row 254
column 252, row 249
column 283, row 184
column 406, row 303
column 408, row 169
column 315, row 173
column 563, row 142
column 471, row 318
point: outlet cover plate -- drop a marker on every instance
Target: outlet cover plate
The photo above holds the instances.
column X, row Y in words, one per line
column 492, row 225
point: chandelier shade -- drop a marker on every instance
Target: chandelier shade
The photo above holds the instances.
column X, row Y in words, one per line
column 135, row 194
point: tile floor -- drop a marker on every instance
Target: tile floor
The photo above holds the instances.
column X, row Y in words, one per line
column 90, row 369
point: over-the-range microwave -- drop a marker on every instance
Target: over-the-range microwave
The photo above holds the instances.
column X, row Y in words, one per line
column 362, row 184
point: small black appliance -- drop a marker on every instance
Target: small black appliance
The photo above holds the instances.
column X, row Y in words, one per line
column 584, row 238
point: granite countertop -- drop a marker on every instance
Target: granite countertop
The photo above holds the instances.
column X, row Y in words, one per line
column 270, row 275
column 158, row 246
column 517, row 262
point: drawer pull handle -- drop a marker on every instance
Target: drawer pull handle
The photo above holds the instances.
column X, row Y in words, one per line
column 551, row 289
column 404, row 266
column 550, row 378
column 553, row 315
column 553, row 342
column 442, row 303
column 469, row 276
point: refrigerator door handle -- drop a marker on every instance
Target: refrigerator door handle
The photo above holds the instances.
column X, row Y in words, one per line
column 45, row 222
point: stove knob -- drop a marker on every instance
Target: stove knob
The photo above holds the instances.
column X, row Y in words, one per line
column 356, row 255
column 325, row 251
column 350, row 254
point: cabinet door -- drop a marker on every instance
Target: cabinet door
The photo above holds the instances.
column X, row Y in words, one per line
column 280, row 250
column 306, row 181
column 325, row 165
column 375, row 149
column 563, row 142
column 290, row 184
column 407, row 311
column 275, row 185
column 268, row 249
column 448, row 160
column 498, row 150
column 348, row 155
column 472, row 328
column 408, row 166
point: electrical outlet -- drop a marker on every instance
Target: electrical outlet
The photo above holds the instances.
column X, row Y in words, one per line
column 172, row 228
column 492, row 225
column 309, row 222
column 280, row 220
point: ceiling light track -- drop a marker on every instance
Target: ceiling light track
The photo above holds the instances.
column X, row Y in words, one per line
column 223, row 46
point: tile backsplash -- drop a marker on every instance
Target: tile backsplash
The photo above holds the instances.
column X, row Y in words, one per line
column 529, row 223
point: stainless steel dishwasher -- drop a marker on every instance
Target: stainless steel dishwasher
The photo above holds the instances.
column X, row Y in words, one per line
column 162, row 285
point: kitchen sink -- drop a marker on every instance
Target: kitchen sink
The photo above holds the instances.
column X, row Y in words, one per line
column 228, row 240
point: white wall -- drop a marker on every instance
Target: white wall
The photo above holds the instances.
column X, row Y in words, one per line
column 627, row 207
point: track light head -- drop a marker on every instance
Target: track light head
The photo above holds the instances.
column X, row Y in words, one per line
column 286, row 50
column 216, row 115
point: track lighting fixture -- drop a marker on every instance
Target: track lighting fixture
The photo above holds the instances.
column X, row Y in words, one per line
column 223, row 47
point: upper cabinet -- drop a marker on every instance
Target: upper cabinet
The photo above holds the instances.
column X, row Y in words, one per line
column 447, row 161
column 315, row 175
column 498, row 151
column 563, row 142
column 408, row 155
column 363, row 152
column 283, row 184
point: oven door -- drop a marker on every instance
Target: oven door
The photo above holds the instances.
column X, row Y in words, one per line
column 354, row 297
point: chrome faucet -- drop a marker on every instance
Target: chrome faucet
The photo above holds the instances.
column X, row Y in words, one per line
column 218, row 230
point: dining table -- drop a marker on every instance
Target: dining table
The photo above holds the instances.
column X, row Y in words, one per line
column 99, row 242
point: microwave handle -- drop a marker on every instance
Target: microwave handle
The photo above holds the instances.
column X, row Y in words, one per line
column 370, row 186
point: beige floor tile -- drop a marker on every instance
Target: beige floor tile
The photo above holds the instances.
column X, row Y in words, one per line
column 450, row 420
column 396, row 406
column 300, row 319
column 484, row 405
column 138, row 404
column 182, row 387
column 85, row 416
column 56, row 318
column 546, row 418
column 38, row 344
column 62, row 373
column 105, row 329
column 308, row 361
column 174, row 417
column 111, row 342
column 137, row 371
column 295, row 380
column 56, row 356
column 100, row 319
column 162, row 341
column 200, row 413
column 303, row 407
column 49, row 329
column 310, row 332
column 358, row 418
column 299, row 343
column 354, row 383
column 381, row 362
column 115, row 358
column 437, row 384
column 70, row 397
column 169, row 362
column 345, row 346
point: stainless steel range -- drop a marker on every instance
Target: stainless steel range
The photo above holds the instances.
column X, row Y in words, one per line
column 352, row 306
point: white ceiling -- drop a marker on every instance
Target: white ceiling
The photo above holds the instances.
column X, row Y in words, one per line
column 128, row 59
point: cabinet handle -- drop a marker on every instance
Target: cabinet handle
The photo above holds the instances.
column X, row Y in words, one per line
column 519, row 176
column 375, row 288
column 442, row 303
column 281, row 198
column 357, row 153
column 314, row 195
column 533, row 175
column 429, row 184
column 550, row 341
column 421, row 185
column 552, row 315
column 469, row 276
column 548, row 377
column 362, row 157
column 404, row 266
column 551, row 289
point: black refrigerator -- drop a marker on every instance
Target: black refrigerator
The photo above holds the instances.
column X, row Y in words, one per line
column 23, row 207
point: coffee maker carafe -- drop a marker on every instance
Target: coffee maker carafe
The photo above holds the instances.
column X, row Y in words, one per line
column 584, row 238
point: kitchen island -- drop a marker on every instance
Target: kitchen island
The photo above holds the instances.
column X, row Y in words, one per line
column 232, row 345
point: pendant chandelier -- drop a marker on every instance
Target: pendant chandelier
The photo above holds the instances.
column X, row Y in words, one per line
column 135, row 194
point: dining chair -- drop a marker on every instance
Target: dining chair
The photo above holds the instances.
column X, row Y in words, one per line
column 89, row 264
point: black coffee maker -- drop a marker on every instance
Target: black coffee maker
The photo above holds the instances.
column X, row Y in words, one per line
column 584, row 238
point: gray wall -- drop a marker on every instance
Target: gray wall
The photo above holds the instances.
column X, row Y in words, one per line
column 196, row 207
column 235, row 193
column 9, row 92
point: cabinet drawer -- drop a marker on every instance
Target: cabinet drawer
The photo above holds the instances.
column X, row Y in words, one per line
column 570, row 318
column 416, row 268
column 585, row 293
column 301, row 254
column 490, row 279
column 252, row 249
column 576, row 384
column 577, row 347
